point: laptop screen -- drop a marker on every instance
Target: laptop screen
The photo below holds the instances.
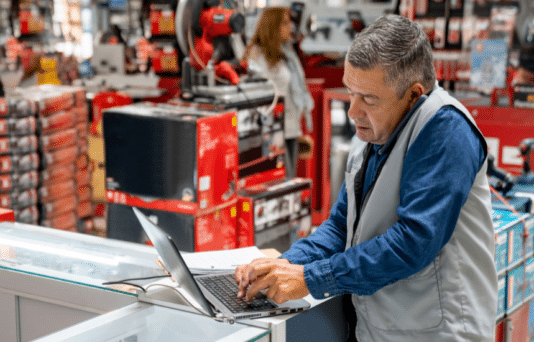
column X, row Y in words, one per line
column 175, row 264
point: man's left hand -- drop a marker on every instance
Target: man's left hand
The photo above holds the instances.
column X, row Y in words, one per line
column 283, row 280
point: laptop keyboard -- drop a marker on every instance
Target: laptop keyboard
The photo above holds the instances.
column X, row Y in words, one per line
column 224, row 288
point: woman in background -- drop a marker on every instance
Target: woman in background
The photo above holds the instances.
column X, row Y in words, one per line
column 271, row 53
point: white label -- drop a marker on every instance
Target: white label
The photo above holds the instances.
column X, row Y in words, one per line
column 493, row 148
column 511, row 246
column 204, row 183
column 501, row 239
column 511, row 155
column 153, row 219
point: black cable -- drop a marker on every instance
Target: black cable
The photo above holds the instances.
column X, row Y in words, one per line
column 125, row 281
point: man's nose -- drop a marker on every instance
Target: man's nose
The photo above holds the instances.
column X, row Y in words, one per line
column 355, row 108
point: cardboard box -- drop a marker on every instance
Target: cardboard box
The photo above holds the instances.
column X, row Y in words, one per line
column 162, row 19
column 514, row 287
column 508, row 221
column 184, row 154
column 269, row 211
column 529, row 278
column 196, row 231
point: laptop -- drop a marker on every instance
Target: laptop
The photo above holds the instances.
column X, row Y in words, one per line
column 215, row 293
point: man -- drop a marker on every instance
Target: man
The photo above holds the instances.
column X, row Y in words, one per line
column 410, row 236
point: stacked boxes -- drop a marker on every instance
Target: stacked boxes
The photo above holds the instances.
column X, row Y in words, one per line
column 513, row 259
column 19, row 160
column 64, row 177
column 182, row 173
column 261, row 144
column 274, row 214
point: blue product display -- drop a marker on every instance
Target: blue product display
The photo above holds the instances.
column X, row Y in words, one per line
column 512, row 223
column 514, row 285
column 520, row 204
column 529, row 240
column 529, row 278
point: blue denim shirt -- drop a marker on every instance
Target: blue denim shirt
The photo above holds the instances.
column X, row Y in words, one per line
column 447, row 151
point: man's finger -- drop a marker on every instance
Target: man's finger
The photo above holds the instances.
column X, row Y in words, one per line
column 261, row 283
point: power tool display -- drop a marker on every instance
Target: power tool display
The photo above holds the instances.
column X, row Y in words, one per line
column 208, row 34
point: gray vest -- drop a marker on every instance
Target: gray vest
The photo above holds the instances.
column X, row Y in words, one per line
column 455, row 297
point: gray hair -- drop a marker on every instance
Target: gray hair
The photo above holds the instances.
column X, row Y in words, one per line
column 399, row 46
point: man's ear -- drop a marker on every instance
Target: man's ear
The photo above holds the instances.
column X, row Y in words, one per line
column 416, row 90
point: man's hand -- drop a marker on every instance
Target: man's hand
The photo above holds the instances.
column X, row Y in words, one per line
column 284, row 280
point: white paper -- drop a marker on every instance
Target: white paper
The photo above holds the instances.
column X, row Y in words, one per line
column 220, row 261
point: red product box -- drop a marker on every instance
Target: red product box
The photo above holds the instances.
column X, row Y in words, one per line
column 29, row 215
column 19, row 199
column 192, row 155
column 52, row 100
column 165, row 58
column 31, row 21
column 7, row 215
column 278, row 211
column 57, row 121
column 162, row 20
column 192, row 229
column 84, row 193
column 57, row 190
column 65, row 221
column 4, row 107
column 18, row 126
column 57, row 140
column 58, row 173
column 58, row 207
column 84, row 209
column 62, row 156
column 19, row 163
column 18, row 145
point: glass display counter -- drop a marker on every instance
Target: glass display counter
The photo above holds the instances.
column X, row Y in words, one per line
column 143, row 322
column 52, row 279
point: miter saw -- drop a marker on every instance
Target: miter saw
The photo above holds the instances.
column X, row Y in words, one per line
column 209, row 34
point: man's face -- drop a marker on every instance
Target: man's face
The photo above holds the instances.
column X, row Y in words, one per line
column 374, row 107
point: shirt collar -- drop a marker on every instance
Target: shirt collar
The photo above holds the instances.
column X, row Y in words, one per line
column 381, row 149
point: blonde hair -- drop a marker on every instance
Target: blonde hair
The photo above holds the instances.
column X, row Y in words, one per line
column 267, row 36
